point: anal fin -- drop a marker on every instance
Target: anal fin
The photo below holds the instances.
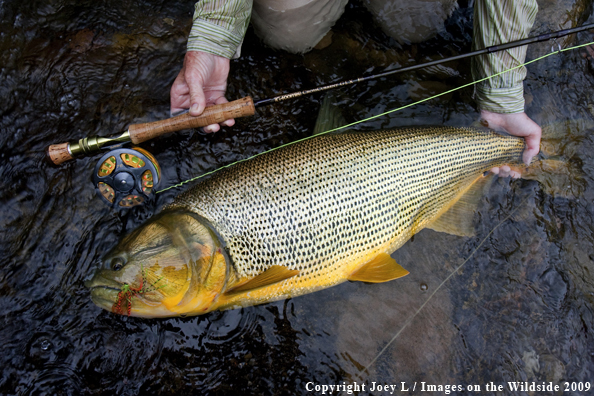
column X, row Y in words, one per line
column 458, row 218
column 272, row 275
column 382, row 268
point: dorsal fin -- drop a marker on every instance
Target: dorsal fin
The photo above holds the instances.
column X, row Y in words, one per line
column 329, row 116
column 381, row 268
column 458, row 218
column 272, row 275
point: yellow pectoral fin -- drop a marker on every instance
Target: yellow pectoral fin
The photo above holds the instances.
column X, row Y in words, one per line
column 272, row 275
column 382, row 268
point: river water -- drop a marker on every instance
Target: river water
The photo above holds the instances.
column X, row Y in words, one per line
column 513, row 303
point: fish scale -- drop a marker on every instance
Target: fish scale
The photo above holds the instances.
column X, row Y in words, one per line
column 326, row 205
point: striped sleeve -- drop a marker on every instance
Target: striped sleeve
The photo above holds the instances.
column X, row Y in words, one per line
column 219, row 26
column 497, row 22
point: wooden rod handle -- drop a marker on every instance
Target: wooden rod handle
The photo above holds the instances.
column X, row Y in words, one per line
column 138, row 133
column 211, row 115
column 58, row 153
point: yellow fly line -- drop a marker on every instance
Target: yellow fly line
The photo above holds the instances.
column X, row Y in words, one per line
column 375, row 116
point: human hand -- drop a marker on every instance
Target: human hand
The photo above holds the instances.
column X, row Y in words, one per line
column 201, row 82
column 517, row 124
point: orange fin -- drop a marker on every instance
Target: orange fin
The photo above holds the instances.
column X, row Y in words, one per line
column 382, row 268
column 272, row 275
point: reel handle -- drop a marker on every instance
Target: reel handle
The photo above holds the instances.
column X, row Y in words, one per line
column 211, row 115
column 138, row 133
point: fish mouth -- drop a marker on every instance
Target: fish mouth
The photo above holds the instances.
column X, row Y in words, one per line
column 101, row 281
column 104, row 296
column 104, row 291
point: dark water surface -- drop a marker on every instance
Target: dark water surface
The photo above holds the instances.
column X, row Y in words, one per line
column 520, row 309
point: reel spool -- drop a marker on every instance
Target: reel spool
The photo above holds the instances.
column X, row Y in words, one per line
column 125, row 178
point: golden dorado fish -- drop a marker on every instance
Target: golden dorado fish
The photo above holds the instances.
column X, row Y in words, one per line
column 301, row 218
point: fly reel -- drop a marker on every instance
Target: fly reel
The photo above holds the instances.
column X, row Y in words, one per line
column 125, row 178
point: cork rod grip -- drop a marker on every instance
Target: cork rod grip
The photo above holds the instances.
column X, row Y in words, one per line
column 58, row 153
column 212, row 115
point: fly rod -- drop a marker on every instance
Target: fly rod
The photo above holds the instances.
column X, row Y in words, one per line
column 138, row 133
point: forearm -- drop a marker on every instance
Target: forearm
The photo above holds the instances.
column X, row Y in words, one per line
column 219, row 26
column 496, row 22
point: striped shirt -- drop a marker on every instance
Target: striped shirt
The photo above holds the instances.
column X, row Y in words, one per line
column 497, row 22
column 220, row 25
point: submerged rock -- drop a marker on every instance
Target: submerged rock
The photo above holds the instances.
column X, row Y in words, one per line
column 411, row 21
column 556, row 15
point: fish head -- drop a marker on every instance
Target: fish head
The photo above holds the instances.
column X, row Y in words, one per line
column 172, row 265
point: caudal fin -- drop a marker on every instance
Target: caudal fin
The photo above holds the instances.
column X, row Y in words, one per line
column 557, row 168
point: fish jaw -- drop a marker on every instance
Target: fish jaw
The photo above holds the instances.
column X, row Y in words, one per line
column 107, row 293
column 103, row 296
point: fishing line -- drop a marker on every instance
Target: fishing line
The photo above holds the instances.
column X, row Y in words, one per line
column 373, row 117
column 409, row 320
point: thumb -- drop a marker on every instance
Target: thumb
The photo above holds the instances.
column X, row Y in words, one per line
column 532, row 148
column 197, row 99
column 532, row 135
column 195, row 86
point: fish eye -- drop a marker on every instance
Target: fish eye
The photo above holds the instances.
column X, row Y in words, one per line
column 117, row 263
